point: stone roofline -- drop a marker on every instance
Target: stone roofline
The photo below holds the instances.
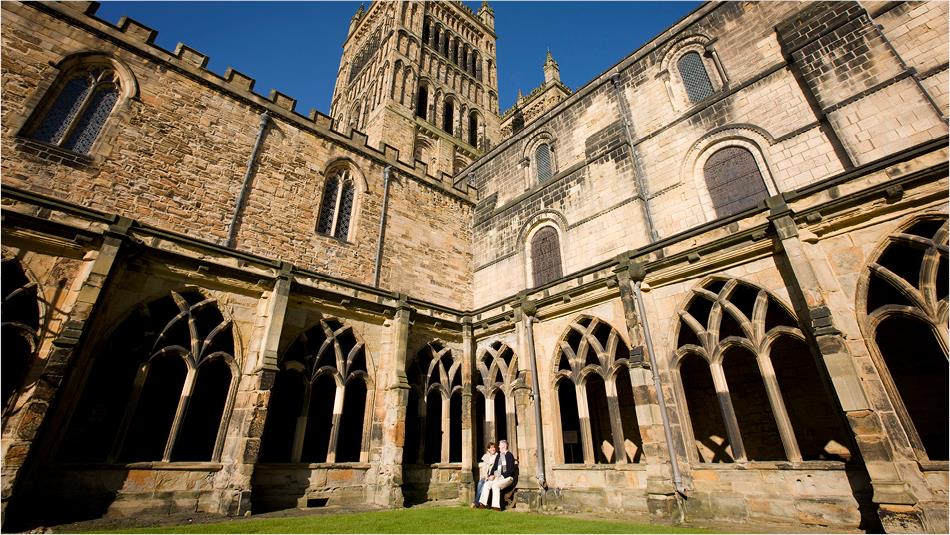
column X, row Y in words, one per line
column 535, row 93
column 464, row 8
column 660, row 40
column 139, row 39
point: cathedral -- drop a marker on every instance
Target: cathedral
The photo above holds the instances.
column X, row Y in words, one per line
column 710, row 284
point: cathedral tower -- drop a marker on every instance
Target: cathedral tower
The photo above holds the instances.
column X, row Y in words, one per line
column 422, row 77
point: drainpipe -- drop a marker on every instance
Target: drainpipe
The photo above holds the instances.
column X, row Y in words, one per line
column 528, row 309
column 248, row 174
column 387, row 171
column 635, row 155
column 677, row 477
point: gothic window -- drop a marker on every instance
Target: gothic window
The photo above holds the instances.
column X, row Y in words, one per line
column 336, row 208
column 75, row 116
column 436, row 379
column 20, row 325
column 159, row 387
column 473, row 129
column 422, row 102
column 448, row 117
column 545, row 256
column 694, row 76
column 425, row 30
column 744, row 368
column 733, row 180
column 496, row 374
column 595, row 398
column 324, row 364
column 542, row 162
column 365, row 54
column 905, row 322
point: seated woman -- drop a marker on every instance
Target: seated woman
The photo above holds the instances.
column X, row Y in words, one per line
column 484, row 466
column 501, row 476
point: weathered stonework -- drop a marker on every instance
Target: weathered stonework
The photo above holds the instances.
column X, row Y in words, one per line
column 654, row 372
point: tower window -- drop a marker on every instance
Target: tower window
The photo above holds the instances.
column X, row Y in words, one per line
column 336, row 209
column 422, row 102
column 78, row 112
column 448, row 116
column 734, row 181
column 542, row 162
column 695, row 78
column 473, row 129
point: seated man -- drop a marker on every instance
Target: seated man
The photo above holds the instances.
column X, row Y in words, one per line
column 501, row 477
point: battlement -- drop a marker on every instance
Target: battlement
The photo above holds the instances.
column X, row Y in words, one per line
column 139, row 38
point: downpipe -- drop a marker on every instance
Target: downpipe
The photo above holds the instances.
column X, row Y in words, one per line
column 674, row 463
column 387, row 172
column 248, row 174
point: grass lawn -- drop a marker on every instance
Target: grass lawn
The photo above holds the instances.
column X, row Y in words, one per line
column 422, row 520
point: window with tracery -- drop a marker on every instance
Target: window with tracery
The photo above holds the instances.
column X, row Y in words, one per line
column 336, row 208
column 325, row 365
column 545, row 256
column 159, row 387
column 905, row 319
column 598, row 422
column 542, row 163
column 75, row 116
column 695, row 78
column 494, row 380
column 733, row 181
column 20, row 325
column 434, row 413
column 745, row 366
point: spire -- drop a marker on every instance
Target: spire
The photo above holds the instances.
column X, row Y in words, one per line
column 551, row 70
column 487, row 15
column 520, row 96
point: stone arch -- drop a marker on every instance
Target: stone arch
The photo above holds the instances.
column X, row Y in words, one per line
column 544, row 219
column 590, row 355
column 495, row 379
column 529, row 157
column 733, row 328
column 902, row 308
column 435, row 373
column 310, row 418
column 702, row 46
column 23, row 312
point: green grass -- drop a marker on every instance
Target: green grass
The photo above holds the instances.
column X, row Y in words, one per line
column 424, row 520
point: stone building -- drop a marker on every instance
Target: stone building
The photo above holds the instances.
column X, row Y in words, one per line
column 711, row 283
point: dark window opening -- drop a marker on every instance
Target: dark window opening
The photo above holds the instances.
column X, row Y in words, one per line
column 455, row 428
column 319, row 422
column 350, row 441
column 570, row 422
column 480, row 423
column 473, row 130
column 433, row 449
column 501, row 417
column 20, row 329
column 760, row 435
column 448, row 118
column 286, row 402
column 545, row 256
column 410, row 453
column 702, row 403
column 599, row 420
column 155, row 410
column 422, row 102
column 199, row 431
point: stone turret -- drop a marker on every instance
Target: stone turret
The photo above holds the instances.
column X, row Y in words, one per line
column 354, row 22
column 551, row 71
column 487, row 15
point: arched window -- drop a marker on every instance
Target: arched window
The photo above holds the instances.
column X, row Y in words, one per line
column 473, row 129
column 20, row 325
column 748, row 339
column 545, row 256
column 336, row 208
column 694, row 76
column 435, row 377
column 448, row 117
column 542, row 162
column 422, row 102
column 159, row 387
column 325, row 363
column 905, row 322
column 496, row 373
column 597, row 425
column 77, row 109
column 733, row 180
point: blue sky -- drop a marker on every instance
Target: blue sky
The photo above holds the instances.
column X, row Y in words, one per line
column 295, row 47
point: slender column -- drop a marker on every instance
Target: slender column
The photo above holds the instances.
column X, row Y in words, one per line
column 389, row 479
column 20, row 431
column 782, row 421
column 335, row 426
column 728, row 412
column 616, row 428
column 583, row 412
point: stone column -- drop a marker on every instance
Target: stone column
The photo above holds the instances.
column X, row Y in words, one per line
column 22, row 431
column 470, row 450
column 662, row 499
column 242, row 444
column 389, row 480
column 896, row 500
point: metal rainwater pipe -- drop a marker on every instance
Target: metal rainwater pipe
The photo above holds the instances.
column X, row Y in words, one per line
column 246, row 186
column 674, row 463
column 387, row 171
column 536, row 387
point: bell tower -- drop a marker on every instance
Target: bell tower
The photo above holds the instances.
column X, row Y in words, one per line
column 421, row 77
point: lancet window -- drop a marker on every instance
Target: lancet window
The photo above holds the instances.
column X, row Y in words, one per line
column 494, row 381
column 434, row 413
column 336, row 208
